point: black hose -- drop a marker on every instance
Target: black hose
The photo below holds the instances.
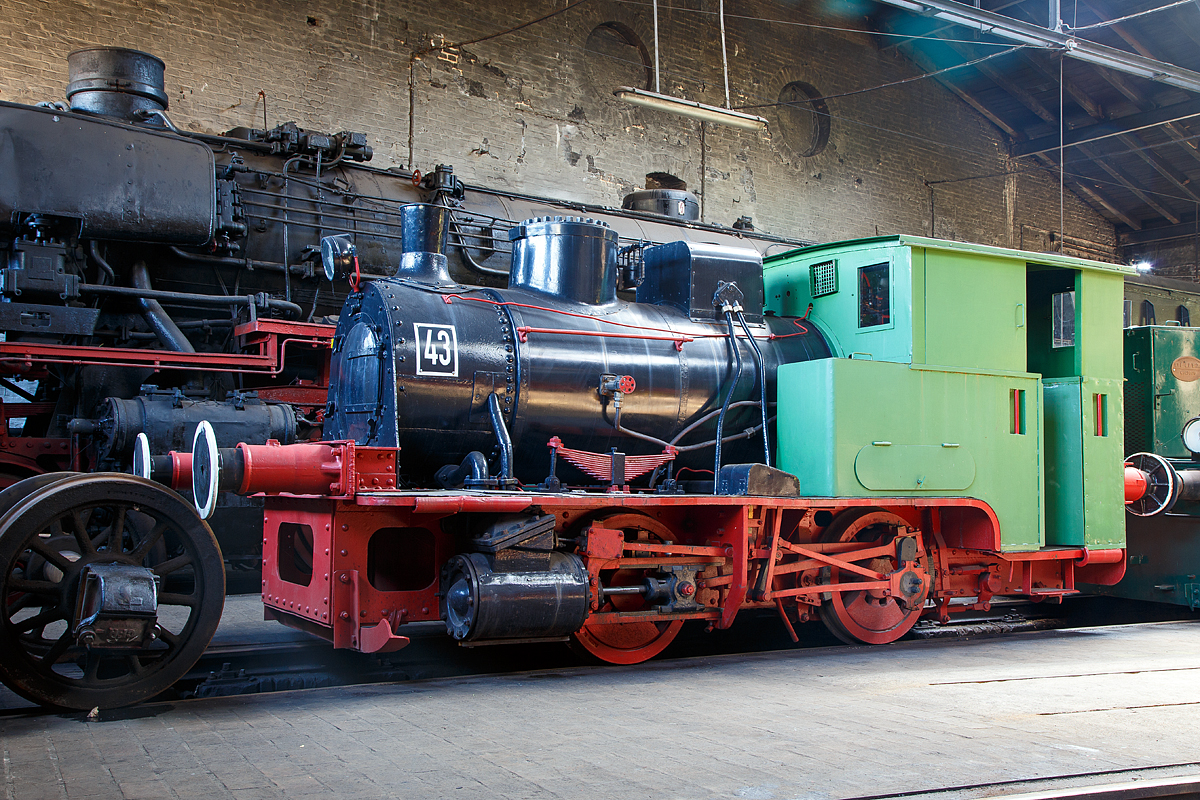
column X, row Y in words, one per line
column 762, row 386
column 112, row 276
column 260, row 300
column 737, row 376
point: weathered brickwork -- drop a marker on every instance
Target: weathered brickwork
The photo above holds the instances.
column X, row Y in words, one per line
column 1172, row 258
column 533, row 110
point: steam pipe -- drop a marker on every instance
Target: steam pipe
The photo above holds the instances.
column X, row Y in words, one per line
column 159, row 320
column 260, row 300
column 506, row 445
column 762, row 386
column 474, row 466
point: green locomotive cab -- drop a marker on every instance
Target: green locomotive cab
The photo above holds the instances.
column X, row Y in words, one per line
column 962, row 370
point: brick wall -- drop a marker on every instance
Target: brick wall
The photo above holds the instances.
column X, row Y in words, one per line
column 533, row 111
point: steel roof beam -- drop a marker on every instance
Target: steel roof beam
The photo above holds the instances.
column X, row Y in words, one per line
column 1173, row 130
column 1015, row 30
column 1104, row 130
column 1128, row 182
column 918, row 58
column 1184, row 230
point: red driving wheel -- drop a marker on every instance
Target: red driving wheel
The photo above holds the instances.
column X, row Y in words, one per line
column 628, row 642
column 869, row 616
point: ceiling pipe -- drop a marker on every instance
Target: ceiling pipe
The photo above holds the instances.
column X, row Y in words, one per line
column 1035, row 36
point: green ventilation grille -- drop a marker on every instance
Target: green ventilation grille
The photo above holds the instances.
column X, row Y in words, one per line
column 822, row 278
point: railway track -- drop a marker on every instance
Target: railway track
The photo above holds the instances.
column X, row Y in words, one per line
column 249, row 666
column 1163, row 782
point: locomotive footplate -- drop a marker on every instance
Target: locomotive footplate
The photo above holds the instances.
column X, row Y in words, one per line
column 619, row 575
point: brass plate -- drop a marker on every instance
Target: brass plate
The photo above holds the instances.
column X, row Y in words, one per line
column 1186, row 368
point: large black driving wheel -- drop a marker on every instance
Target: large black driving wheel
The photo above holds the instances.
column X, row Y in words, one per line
column 50, row 535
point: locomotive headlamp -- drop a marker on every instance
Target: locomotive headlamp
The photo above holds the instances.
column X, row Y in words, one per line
column 337, row 256
column 1191, row 435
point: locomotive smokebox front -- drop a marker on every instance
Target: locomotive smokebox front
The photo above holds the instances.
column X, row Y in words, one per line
column 415, row 362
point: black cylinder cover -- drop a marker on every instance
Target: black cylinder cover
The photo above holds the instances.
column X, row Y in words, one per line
column 171, row 424
column 482, row 603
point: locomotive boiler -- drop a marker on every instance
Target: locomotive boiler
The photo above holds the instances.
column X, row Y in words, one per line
column 449, row 373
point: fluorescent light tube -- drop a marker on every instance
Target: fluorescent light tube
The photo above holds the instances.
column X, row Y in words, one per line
column 690, row 108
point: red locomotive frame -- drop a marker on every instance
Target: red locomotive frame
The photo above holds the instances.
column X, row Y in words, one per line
column 800, row 556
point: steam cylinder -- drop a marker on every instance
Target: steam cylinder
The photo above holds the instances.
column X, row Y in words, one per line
column 413, row 367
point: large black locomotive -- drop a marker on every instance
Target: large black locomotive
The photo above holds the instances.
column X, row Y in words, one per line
column 154, row 277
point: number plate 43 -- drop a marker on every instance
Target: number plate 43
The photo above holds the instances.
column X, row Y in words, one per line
column 437, row 350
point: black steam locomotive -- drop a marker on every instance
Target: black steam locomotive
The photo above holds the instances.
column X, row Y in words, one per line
column 154, row 277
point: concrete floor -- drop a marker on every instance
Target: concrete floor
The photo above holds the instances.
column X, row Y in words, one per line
column 810, row 724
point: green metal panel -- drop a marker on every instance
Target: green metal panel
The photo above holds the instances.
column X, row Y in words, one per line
column 1099, row 313
column 1049, row 259
column 975, row 310
column 1084, row 486
column 1160, row 401
column 1064, row 461
column 788, row 292
column 1164, row 552
column 953, row 304
column 833, row 413
column 903, row 467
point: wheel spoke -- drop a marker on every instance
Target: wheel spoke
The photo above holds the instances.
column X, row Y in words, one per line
column 80, row 520
column 50, row 554
column 38, row 620
column 175, row 599
column 57, row 650
column 143, row 548
column 167, row 637
column 172, row 564
column 135, row 664
column 20, row 604
column 41, row 588
column 92, row 666
column 114, row 534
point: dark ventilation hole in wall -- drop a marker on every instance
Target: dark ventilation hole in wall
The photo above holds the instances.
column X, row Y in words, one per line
column 665, row 180
column 803, row 119
column 315, row 22
column 294, row 555
column 401, row 559
column 617, row 57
